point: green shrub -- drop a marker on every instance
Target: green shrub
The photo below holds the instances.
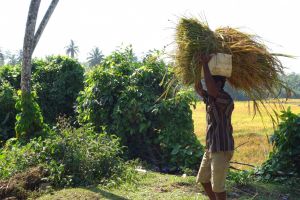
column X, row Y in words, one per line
column 243, row 177
column 11, row 74
column 57, row 81
column 29, row 120
column 123, row 95
column 71, row 157
column 176, row 131
column 7, row 111
column 284, row 161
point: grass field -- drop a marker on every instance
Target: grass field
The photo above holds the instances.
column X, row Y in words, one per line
column 250, row 132
column 156, row 186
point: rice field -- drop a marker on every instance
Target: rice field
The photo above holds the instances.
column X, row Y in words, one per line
column 250, row 132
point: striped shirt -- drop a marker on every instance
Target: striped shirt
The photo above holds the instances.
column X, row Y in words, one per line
column 218, row 118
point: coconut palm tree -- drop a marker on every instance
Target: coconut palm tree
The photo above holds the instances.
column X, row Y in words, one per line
column 72, row 49
column 95, row 57
column 31, row 39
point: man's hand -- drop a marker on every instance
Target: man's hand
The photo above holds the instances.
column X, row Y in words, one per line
column 204, row 58
column 211, row 86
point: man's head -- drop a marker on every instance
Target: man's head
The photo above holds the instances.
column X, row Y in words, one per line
column 220, row 81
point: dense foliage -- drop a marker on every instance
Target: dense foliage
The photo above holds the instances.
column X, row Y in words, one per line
column 123, row 94
column 29, row 118
column 179, row 145
column 284, row 161
column 57, row 81
column 11, row 74
column 70, row 157
column 8, row 99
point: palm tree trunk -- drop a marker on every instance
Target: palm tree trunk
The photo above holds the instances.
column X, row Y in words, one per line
column 44, row 23
column 27, row 45
column 31, row 39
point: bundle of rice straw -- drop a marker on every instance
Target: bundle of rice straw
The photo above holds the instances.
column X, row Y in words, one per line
column 255, row 70
column 192, row 37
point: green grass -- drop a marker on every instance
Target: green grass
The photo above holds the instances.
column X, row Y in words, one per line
column 170, row 187
column 151, row 186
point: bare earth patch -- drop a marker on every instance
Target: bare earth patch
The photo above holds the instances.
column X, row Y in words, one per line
column 20, row 185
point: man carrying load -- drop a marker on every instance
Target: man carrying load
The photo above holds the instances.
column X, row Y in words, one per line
column 219, row 139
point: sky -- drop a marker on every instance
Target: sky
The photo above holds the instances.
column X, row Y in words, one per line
column 149, row 24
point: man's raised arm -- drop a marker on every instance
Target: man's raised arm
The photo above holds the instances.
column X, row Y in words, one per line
column 211, row 86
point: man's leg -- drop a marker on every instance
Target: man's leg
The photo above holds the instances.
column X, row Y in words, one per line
column 220, row 195
column 219, row 167
column 208, row 190
column 204, row 175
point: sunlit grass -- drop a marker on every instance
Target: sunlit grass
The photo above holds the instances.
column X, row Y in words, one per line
column 158, row 186
column 252, row 131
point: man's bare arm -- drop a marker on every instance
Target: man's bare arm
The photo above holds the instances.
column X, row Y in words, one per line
column 211, row 86
column 199, row 88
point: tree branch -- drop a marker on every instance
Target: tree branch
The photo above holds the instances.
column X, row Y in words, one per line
column 241, row 145
column 242, row 164
column 231, row 167
column 43, row 24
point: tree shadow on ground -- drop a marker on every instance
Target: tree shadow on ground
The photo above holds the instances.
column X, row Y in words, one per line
column 107, row 194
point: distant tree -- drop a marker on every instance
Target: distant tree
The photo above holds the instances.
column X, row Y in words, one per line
column 293, row 81
column 12, row 59
column 19, row 56
column 1, row 58
column 95, row 57
column 72, row 49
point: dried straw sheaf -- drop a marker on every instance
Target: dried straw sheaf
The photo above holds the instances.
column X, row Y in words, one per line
column 255, row 70
column 192, row 37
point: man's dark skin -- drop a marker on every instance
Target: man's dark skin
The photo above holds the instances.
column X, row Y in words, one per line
column 213, row 89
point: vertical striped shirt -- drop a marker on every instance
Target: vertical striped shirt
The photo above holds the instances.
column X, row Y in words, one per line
column 218, row 118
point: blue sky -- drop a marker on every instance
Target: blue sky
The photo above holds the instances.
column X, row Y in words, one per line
column 149, row 24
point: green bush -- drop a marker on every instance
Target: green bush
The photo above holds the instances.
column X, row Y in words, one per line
column 284, row 161
column 7, row 111
column 71, row 157
column 57, row 81
column 123, row 94
column 243, row 177
column 11, row 74
column 176, row 131
column 29, row 120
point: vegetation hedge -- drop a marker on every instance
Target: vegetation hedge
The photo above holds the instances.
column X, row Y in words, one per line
column 123, row 95
column 11, row 74
column 57, row 81
column 8, row 98
column 70, row 157
column 284, row 161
